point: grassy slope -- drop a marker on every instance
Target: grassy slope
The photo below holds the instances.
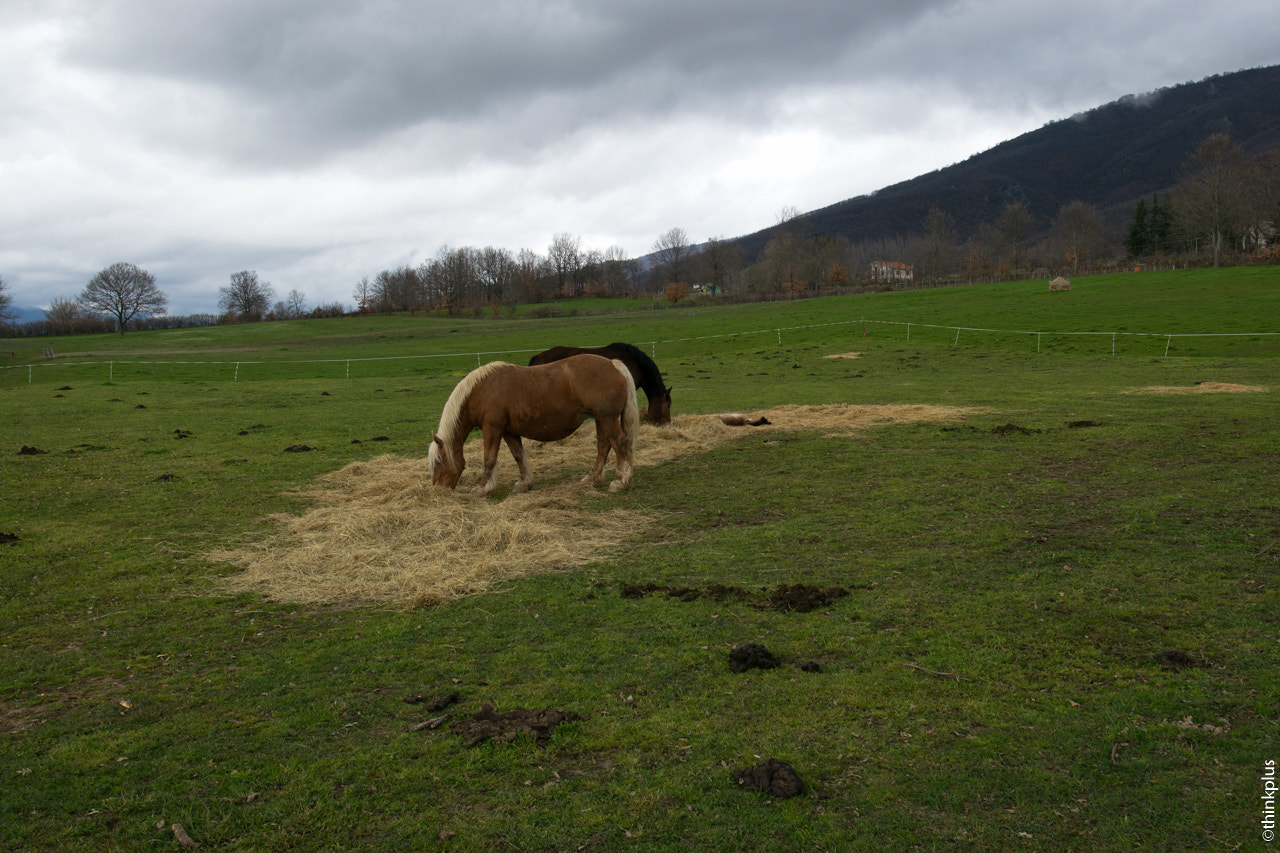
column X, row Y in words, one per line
column 1054, row 571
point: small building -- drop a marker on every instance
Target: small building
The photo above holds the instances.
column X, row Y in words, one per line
column 892, row 271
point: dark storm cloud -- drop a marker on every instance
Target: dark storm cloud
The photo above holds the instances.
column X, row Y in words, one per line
column 290, row 78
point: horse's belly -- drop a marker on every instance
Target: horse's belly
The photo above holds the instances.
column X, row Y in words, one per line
column 548, row 429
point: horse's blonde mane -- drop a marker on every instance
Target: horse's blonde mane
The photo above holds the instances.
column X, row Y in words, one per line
column 453, row 406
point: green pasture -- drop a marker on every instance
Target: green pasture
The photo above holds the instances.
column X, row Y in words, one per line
column 1060, row 631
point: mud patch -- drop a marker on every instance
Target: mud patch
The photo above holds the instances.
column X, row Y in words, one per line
column 505, row 726
column 751, row 656
column 28, row 450
column 8, row 538
column 773, row 777
column 797, row 598
column 1176, row 659
column 1007, row 429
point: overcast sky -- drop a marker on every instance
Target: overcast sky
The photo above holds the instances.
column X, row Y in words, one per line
column 318, row 141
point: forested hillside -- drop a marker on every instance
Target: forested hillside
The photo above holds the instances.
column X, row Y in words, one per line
column 1108, row 157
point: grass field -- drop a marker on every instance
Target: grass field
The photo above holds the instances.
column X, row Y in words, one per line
column 1060, row 629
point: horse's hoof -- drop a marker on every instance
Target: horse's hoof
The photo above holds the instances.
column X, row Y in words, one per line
column 480, row 492
column 519, row 488
column 617, row 486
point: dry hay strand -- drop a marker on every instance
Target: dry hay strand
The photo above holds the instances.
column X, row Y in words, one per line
column 1201, row 388
column 382, row 534
column 845, row 355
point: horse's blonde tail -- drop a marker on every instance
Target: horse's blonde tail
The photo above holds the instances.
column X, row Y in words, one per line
column 631, row 411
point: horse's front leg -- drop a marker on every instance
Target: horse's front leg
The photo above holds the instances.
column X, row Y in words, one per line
column 603, row 445
column 489, row 479
column 518, row 452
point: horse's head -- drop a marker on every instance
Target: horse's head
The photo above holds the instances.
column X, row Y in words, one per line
column 660, row 408
column 444, row 468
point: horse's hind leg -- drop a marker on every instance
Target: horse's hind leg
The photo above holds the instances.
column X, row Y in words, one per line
column 521, row 455
column 622, row 447
column 603, row 445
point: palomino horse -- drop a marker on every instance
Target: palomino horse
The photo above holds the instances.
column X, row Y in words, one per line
column 643, row 371
column 545, row 403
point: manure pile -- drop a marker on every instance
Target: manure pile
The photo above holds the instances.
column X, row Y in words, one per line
column 380, row 533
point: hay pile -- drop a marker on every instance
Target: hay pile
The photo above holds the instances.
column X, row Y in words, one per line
column 1200, row 388
column 382, row 534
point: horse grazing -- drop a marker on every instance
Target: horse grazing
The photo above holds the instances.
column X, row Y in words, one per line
column 643, row 371
column 545, row 403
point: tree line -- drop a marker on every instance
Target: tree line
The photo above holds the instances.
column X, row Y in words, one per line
column 1225, row 208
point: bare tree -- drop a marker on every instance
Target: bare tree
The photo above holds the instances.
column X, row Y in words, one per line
column 721, row 260
column 6, row 302
column 363, row 294
column 496, row 269
column 530, row 269
column 1078, row 228
column 124, row 291
column 939, row 246
column 672, row 253
column 565, row 255
column 247, row 296
column 617, row 271
column 1213, row 197
column 1014, row 225
column 292, row 307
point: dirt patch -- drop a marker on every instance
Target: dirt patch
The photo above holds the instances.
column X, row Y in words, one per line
column 382, row 534
column 798, row 598
column 8, row 538
column 773, row 777
column 505, row 726
column 28, row 450
column 845, row 355
column 751, row 656
column 1201, row 388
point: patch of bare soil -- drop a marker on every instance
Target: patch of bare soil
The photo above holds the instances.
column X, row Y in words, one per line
column 1201, row 388
column 751, row 656
column 505, row 726
column 774, row 777
column 798, row 598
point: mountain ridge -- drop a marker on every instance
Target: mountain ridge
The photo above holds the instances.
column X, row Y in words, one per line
column 1109, row 157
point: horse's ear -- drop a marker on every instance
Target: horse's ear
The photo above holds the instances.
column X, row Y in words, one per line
column 435, row 438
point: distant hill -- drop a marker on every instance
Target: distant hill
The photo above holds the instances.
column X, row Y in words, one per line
column 1108, row 157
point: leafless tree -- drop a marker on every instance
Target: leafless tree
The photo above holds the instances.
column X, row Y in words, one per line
column 672, row 253
column 721, row 261
column 530, row 270
column 617, row 271
column 247, row 296
column 1014, row 225
column 363, row 294
column 7, row 311
column 1079, row 231
column 1213, row 196
column 124, row 291
column 937, row 251
column 565, row 256
column 496, row 269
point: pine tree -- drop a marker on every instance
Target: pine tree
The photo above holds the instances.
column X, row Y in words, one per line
column 1139, row 240
column 1158, row 229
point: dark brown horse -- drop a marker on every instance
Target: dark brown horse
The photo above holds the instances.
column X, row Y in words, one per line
column 545, row 403
column 643, row 371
